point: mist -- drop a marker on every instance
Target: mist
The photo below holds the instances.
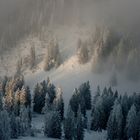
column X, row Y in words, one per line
column 20, row 18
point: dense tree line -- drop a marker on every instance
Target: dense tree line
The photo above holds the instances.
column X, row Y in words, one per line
column 118, row 114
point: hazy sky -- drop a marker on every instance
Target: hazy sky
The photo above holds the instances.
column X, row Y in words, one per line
column 122, row 14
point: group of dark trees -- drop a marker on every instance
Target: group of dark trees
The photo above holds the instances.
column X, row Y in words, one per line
column 49, row 101
column 15, row 108
column 118, row 114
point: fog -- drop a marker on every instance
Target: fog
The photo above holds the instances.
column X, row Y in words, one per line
column 25, row 15
column 19, row 18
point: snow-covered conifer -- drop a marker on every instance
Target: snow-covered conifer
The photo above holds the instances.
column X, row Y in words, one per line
column 131, row 123
column 53, row 124
column 115, row 122
column 4, row 125
column 69, row 124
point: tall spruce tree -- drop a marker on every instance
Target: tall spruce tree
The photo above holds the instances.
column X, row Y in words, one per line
column 53, row 124
column 24, row 121
column 115, row 122
column 84, row 91
column 5, row 129
column 27, row 97
column 59, row 103
column 98, row 115
column 14, row 126
column 79, row 126
column 131, row 123
column 1, row 101
column 32, row 57
column 69, row 124
column 74, row 102
column 39, row 99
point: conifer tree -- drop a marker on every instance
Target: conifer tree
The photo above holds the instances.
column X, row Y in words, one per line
column 97, row 94
column 53, row 57
column 4, row 125
column 39, row 99
column 84, row 91
column 1, row 101
column 27, row 97
column 138, row 126
column 79, row 126
column 32, row 57
column 108, row 101
column 69, row 124
column 51, row 92
column 83, row 55
column 53, row 124
column 17, row 103
column 131, row 123
column 24, row 121
column 98, row 116
column 14, row 126
column 74, row 102
column 59, row 103
column 115, row 122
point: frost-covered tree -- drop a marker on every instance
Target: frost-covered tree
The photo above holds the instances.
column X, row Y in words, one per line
column 3, row 84
column 82, row 97
column 32, row 57
column 131, row 123
column 97, row 94
column 79, row 126
column 14, row 126
column 51, row 100
column 74, row 102
column 4, row 125
column 82, row 104
column 98, row 115
column 53, row 57
column 1, row 101
column 125, row 108
column 22, row 96
column 53, row 124
column 69, row 125
column 138, row 125
column 38, row 99
column 125, row 105
column 27, row 97
column 19, row 67
column 115, row 122
column 59, row 103
column 9, row 98
column 46, row 62
column 83, row 55
column 108, row 101
column 17, row 103
column 24, row 121
column 17, row 82
column 51, row 92
column 85, row 93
